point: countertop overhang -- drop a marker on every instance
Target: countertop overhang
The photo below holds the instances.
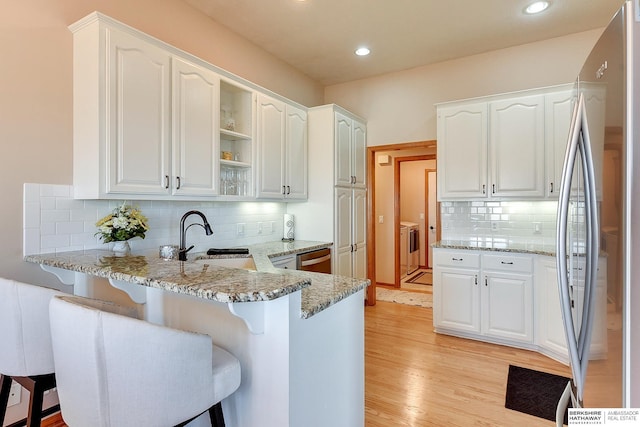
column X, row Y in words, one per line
column 228, row 285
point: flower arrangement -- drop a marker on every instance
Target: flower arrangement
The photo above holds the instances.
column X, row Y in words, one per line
column 122, row 224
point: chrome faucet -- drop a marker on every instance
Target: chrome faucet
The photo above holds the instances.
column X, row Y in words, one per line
column 182, row 252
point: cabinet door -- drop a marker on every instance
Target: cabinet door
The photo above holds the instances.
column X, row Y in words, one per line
column 462, row 151
column 343, row 234
column 195, row 129
column 343, row 141
column 359, row 155
column 550, row 329
column 138, row 116
column 517, row 147
column 507, row 306
column 558, row 110
column 456, row 299
column 271, row 147
column 296, row 173
column 359, row 232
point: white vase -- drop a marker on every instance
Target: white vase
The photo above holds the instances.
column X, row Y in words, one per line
column 121, row 248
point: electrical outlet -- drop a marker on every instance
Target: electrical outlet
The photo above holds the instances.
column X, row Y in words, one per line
column 494, row 226
column 381, row 219
column 259, row 228
column 537, row 228
column 241, row 229
column 14, row 394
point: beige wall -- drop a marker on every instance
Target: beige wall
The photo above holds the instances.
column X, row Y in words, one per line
column 36, row 90
column 399, row 107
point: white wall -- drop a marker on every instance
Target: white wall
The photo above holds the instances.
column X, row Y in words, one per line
column 399, row 107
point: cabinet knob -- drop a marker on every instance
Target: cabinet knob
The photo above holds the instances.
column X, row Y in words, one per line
column 493, row 188
column 456, row 259
column 166, row 181
column 177, row 182
column 484, row 188
column 485, row 281
column 551, row 187
column 506, row 263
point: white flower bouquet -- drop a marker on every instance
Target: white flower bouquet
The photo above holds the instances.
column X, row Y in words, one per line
column 122, row 224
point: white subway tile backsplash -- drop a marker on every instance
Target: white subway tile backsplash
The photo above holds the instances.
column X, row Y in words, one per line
column 55, row 222
column 499, row 221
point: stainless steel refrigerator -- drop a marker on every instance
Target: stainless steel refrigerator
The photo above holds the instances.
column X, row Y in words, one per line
column 595, row 219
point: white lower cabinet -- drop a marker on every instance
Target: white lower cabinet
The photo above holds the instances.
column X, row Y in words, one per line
column 482, row 296
column 550, row 335
column 510, row 299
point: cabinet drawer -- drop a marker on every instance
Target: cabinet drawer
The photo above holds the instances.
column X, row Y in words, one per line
column 457, row 259
column 508, row 263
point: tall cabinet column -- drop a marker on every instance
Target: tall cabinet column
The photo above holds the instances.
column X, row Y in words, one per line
column 337, row 148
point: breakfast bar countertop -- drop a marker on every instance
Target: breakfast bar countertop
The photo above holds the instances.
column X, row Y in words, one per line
column 197, row 278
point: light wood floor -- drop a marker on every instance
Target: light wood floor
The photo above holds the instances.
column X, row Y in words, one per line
column 414, row 377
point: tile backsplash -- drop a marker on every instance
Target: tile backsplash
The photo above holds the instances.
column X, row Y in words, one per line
column 55, row 222
column 528, row 222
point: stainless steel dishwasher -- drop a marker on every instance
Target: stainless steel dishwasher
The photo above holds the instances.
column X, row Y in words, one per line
column 318, row 261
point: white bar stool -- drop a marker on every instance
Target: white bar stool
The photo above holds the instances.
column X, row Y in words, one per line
column 115, row 370
column 25, row 346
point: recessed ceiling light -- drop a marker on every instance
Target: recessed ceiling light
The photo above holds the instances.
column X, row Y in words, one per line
column 362, row 51
column 536, row 7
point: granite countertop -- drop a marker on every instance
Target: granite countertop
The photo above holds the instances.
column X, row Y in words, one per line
column 499, row 246
column 195, row 277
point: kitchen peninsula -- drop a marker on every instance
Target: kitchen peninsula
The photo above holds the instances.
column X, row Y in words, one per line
column 298, row 335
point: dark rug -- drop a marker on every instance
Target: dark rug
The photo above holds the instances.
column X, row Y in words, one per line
column 535, row 393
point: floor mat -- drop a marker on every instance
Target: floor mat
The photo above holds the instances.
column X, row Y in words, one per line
column 533, row 392
column 422, row 278
column 404, row 297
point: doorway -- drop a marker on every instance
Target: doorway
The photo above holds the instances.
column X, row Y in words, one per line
column 411, row 212
column 383, row 221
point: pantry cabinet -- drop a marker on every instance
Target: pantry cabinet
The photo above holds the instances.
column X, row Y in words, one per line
column 282, row 150
column 350, row 154
column 333, row 212
column 484, row 296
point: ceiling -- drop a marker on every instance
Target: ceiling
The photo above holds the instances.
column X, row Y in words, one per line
column 318, row 37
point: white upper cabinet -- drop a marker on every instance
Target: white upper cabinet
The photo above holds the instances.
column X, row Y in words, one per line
column 462, row 151
column 137, row 139
column 195, row 129
column 296, row 160
column 508, row 146
column 351, row 152
column 271, row 147
column 282, row 150
column 558, row 111
column 516, row 143
column 152, row 122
